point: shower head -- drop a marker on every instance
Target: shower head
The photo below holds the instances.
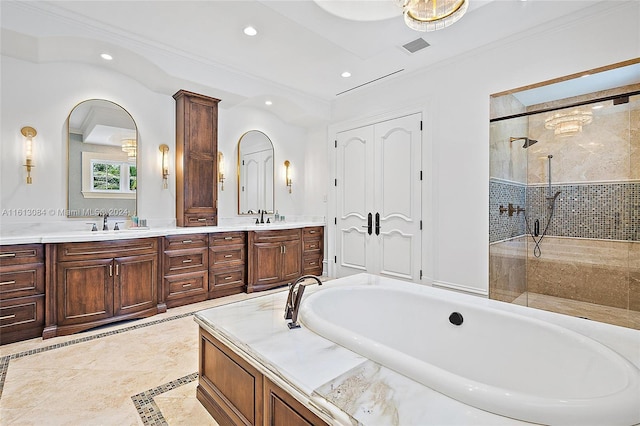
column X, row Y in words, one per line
column 527, row 142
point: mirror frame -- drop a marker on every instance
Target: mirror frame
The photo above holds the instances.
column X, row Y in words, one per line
column 238, row 168
column 116, row 212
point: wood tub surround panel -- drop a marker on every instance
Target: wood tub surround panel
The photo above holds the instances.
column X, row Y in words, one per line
column 22, row 292
column 96, row 283
column 227, row 253
column 234, row 392
column 186, row 269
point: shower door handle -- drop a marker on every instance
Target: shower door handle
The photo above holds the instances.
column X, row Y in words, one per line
column 377, row 223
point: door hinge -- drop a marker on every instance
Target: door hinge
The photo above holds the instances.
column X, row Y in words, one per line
column 335, row 182
column 421, row 225
column 335, row 259
column 336, row 143
column 420, row 174
column 420, row 124
column 243, row 162
column 335, row 220
column 420, row 273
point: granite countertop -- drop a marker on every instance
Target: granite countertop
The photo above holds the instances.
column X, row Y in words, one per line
column 345, row 388
column 31, row 236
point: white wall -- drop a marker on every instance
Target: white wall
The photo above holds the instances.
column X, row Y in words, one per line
column 455, row 99
column 42, row 95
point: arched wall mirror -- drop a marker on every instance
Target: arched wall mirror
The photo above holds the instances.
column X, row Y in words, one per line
column 102, row 160
column 255, row 173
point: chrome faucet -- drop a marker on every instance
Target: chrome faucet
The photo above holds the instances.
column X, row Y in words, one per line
column 295, row 297
column 105, row 227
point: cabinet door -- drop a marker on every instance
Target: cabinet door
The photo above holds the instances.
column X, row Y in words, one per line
column 135, row 284
column 291, row 260
column 266, row 263
column 84, row 291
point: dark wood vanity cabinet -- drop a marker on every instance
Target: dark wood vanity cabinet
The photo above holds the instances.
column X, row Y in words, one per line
column 22, row 292
column 275, row 258
column 185, row 265
column 101, row 282
column 312, row 250
column 236, row 393
column 196, row 159
column 227, row 264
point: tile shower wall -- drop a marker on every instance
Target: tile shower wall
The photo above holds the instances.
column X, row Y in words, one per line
column 608, row 211
column 501, row 225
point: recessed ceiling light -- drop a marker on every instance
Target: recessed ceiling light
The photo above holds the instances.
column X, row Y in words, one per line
column 106, row 56
column 268, row 103
column 346, row 74
column 250, row 31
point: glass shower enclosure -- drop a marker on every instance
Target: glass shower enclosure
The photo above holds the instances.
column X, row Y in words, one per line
column 564, row 203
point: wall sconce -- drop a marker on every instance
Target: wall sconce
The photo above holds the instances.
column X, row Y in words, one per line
column 29, row 133
column 164, row 149
column 287, row 174
column 221, row 170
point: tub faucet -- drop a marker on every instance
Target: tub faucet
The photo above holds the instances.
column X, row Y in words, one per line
column 105, row 227
column 295, row 297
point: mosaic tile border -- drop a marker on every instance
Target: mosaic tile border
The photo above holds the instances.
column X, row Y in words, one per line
column 146, row 406
column 4, row 361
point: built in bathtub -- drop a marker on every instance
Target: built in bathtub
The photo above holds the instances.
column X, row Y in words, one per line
column 498, row 361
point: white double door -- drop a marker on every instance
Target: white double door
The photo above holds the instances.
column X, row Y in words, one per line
column 378, row 191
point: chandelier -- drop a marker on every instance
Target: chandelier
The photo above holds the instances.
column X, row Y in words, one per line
column 568, row 124
column 130, row 147
column 432, row 15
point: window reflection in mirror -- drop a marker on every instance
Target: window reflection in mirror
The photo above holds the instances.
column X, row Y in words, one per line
column 102, row 162
column 255, row 173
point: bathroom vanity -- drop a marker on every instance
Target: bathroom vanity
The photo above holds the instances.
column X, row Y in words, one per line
column 62, row 283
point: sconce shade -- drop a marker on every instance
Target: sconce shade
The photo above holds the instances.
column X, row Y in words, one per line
column 29, row 133
column 221, row 170
column 287, row 171
column 164, row 149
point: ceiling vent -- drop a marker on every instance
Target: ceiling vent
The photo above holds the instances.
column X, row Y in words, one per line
column 415, row 45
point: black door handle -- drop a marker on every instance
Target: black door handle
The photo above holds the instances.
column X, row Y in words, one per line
column 377, row 223
column 370, row 223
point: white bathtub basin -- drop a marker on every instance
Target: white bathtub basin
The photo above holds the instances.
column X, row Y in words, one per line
column 497, row 361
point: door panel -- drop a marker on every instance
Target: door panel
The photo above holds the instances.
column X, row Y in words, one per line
column 378, row 172
column 84, row 291
column 355, row 199
column 135, row 284
column 399, row 198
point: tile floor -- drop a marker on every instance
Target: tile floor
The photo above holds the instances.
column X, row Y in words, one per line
column 140, row 372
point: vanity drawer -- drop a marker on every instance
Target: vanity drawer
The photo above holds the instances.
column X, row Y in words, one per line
column 312, row 232
column 21, row 254
column 312, row 265
column 226, row 238
column 21, row 318
column 199, row 220
column 227, row 256
column 21, row 280
column 311, row 246
column 276, row 235
column 184, row 285
column 227, row 279
column 176, row 262
column 106, row 249
column 190, row 241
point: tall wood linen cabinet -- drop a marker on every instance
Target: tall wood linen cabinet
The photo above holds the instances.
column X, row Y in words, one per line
column 196, row 159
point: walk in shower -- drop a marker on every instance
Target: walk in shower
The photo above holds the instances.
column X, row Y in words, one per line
column 564, row 201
